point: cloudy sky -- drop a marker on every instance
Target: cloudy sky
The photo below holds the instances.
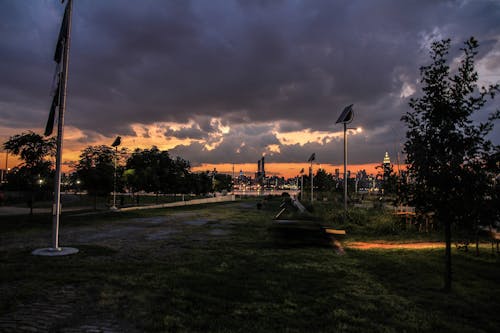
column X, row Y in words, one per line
column 228, row 81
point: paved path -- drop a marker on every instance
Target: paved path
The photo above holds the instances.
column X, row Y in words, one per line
column 392, row 246
column 11, row 210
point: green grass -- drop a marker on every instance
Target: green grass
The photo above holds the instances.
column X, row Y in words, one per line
column 246, row 282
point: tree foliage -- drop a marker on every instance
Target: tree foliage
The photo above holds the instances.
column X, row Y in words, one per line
column 35, row 173
column 153, row 170
column 446, row 150
column 95, row 169
column 223, row 182
column 33, row 149
column 324, row 181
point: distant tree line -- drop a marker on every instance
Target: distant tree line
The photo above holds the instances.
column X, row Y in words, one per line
column 149, row 170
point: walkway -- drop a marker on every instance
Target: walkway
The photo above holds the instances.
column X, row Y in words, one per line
column 394, row 246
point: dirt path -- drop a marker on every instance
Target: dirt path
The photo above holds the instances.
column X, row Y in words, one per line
column 396, row 246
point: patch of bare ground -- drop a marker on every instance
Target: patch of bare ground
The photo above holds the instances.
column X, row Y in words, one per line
column 393, row 246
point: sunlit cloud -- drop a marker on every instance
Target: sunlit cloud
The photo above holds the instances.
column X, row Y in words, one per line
column 308, row 136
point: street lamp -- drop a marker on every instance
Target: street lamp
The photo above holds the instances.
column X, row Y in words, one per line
column 301, row 183
column 115, row 144
column 311, row 159
column 345, row 118
column 4, row 174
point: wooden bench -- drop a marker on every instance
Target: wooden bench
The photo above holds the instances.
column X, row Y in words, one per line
column 334, row 231
column 406, row 214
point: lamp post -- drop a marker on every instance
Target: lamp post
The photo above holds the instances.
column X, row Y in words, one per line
column 4, row 174
column 301, row 183
column 345, row 118
column 115, row 144
column 311, row 159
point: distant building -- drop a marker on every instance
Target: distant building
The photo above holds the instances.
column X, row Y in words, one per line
column 387, row 160
column 386, row 164
column 260, row 175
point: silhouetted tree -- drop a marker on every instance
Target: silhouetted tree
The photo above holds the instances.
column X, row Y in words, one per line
column 388, row 178
column 152, row 170
column 446, row 151
column 324, row 181
column 95, row 170
column 223, row 182
column 200, row 183
column 36, row 170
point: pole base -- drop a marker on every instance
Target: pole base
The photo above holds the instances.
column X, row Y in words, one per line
column 54, row 252
column 113, row 208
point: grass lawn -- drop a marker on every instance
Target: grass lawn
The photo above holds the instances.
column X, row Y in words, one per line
column 218, row 269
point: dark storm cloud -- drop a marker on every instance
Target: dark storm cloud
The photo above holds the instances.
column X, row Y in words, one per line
column 192, row 132
column 293, row 64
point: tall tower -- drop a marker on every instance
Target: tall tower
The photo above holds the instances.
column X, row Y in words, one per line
column 387, row 163
column 387, row 160
column 387, row 167
column 263, row 171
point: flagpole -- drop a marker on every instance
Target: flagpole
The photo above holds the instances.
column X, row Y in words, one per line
column 312, row 183
column 301, row 186
column 345, row 172
column 56, row 208
column 55, row 250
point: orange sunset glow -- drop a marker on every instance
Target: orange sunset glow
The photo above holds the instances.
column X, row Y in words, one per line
column 144, row 137
column 287, row 170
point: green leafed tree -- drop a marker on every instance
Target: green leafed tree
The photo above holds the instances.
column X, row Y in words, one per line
column 95, row 169
column 223, row 182
column 324, row 181
column 35, row 172
column 447, row 152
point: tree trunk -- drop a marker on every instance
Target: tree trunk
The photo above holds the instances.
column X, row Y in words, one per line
column 447, row 270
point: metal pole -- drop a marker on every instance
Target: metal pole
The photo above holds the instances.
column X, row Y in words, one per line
column 345, row 171
column 312, row 182
column 6, row 165
column 301, row 187
column 114, row 181
column 56, row 208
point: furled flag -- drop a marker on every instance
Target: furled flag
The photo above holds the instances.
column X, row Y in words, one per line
column 312, row 158
column 63, row 36
column 55, row 103
column 61, row 40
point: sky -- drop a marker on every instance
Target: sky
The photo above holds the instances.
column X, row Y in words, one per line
column 226, row 81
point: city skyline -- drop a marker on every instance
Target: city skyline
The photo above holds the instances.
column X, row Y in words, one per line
column 228, row 82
